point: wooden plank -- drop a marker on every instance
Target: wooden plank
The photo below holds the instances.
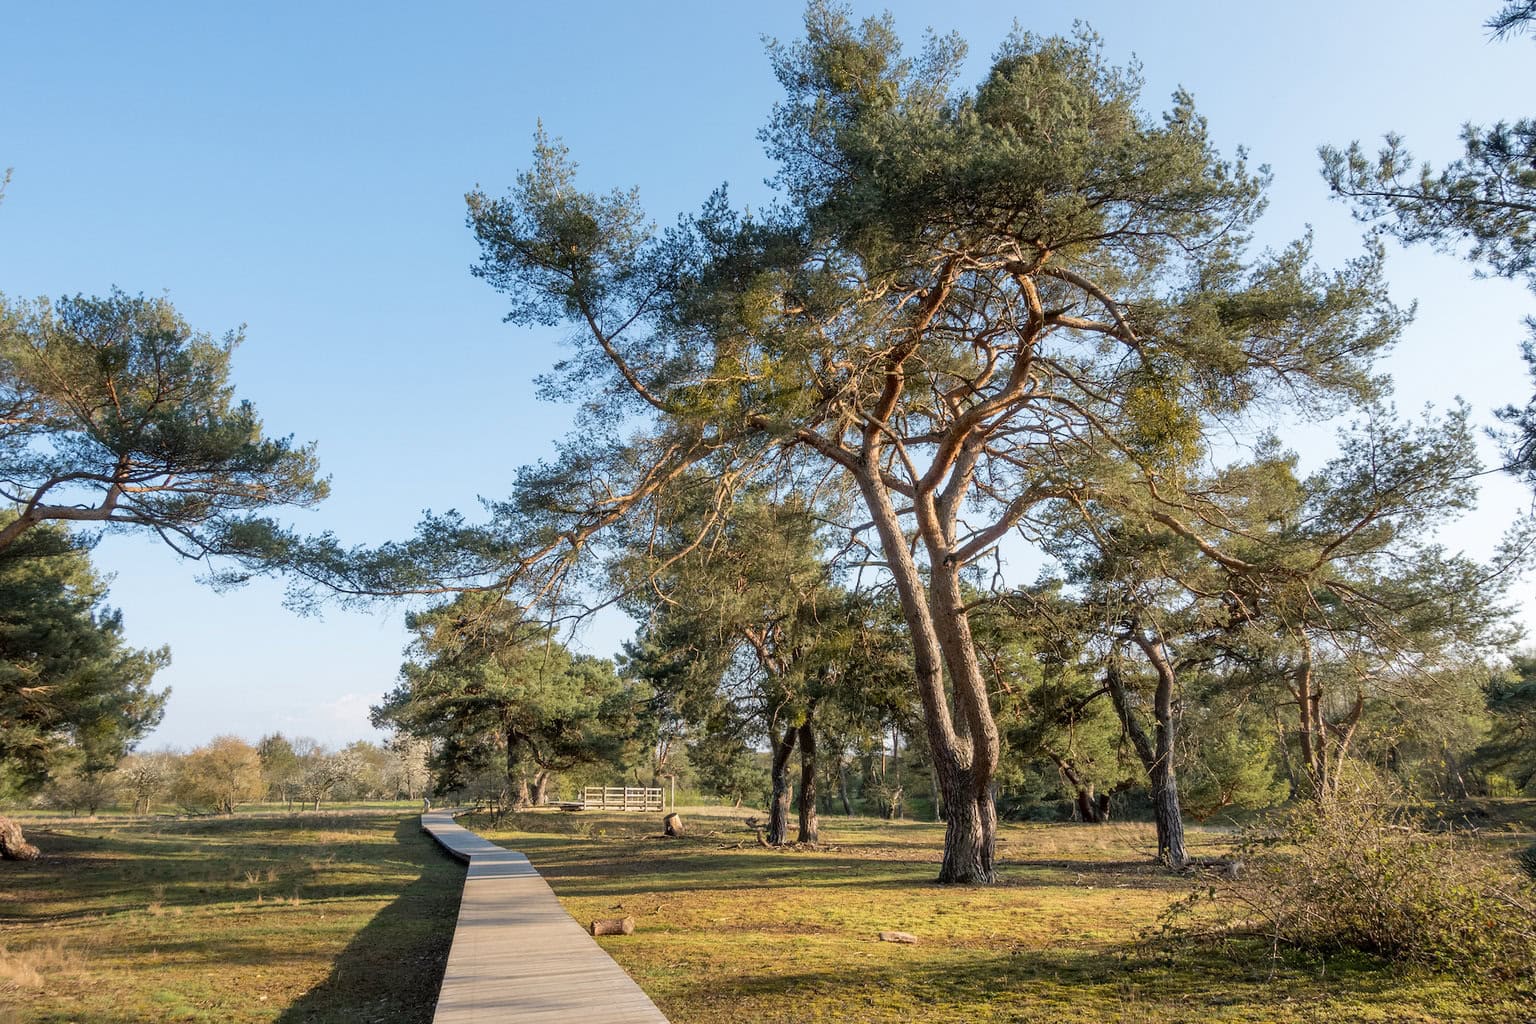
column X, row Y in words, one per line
column 517, row 955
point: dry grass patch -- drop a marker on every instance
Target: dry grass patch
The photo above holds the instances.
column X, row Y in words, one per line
column 313, row 918
column 730, row 933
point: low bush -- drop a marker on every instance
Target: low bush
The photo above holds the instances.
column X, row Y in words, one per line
column 1360, row 872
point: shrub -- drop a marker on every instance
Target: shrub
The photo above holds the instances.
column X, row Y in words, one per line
column 1359, row 872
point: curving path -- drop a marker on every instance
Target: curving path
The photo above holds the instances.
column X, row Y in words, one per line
column 517, row 955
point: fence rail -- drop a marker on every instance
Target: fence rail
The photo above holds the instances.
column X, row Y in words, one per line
column 622, row 798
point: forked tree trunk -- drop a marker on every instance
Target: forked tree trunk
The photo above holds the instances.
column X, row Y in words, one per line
column 810, row 825
column 963, row 744
column 1091, row 809
column 778, row 803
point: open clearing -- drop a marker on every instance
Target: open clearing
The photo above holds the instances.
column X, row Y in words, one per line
column 750, row 934
column 316, row 918
column 347, row 916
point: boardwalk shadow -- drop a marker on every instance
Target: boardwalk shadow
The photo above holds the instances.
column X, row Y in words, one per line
column 392, row 969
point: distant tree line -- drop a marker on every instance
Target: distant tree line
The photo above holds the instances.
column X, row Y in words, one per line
column 228, row 773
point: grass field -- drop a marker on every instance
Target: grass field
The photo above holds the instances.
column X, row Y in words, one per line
column 742, row 933
column 346, row 916
column 315, row 918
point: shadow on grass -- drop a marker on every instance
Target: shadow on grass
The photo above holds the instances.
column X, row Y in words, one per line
column 184, row 866
column 1120, row 983
column 393, row 967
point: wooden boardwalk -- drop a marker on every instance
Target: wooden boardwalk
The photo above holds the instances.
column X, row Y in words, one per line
column 517, row 955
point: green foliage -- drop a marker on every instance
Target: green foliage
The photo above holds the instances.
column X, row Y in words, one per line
column 1510, row 747
column 972, row 312
column 1229, row 759
column 219, row 776
column 726, row 765
column 492, row 686
column 116, row 411
column 1482, row 205
column 71, row 691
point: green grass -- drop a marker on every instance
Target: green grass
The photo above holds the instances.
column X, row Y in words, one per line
column 730, row 933
column 328, row 917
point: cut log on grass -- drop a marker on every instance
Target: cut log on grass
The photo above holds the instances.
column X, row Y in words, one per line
column 613, row 926
column 907, row 938
column 672, row 825
column 13, row 845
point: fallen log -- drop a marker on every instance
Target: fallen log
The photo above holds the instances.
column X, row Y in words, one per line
column 14, row 845
column 612, row 926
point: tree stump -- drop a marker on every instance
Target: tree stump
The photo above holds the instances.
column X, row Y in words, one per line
column 13, row 845
column 613, row 926
column 672, row 825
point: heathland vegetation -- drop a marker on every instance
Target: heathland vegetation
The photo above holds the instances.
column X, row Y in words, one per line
column 1250, row 743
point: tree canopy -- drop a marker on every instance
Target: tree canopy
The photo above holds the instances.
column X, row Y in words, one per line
column 969, row 308
column 115, row 411
column 71, row 690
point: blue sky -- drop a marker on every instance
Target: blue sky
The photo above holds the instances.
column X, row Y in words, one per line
column 300, row 169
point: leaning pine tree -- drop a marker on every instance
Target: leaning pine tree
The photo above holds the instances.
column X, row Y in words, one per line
column 967, row 308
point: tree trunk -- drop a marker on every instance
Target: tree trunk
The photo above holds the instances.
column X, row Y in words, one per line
column 1156, row 759
column 1090, row 809
column 964, row 745
column 842, row 790
column 517, row 778
column 810, row 825
column 14, row 845
column 540, row 784
column 970, row 831
column 778, row 803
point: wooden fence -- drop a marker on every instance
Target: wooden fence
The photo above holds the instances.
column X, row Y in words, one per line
column 621, row 798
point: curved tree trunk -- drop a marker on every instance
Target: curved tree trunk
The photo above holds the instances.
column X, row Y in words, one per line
column 1157, row 758
column 778, row 803
column 810, row 824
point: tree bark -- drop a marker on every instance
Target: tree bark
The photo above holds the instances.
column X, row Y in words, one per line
column 778, row 803
column 517, row 779
column 540, row 784
column 970, row 831
column 810, row 824
column 1156, row 759
column 14, row 845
